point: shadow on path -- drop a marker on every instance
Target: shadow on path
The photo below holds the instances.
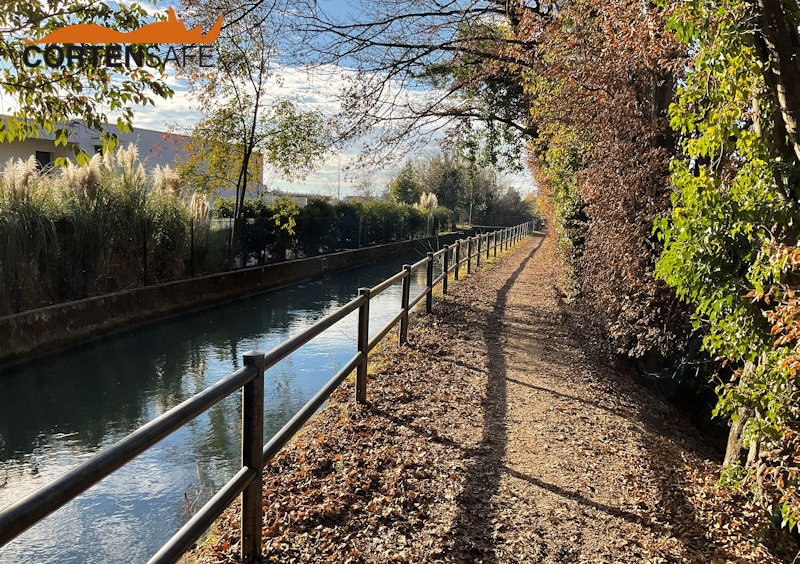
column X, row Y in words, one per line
column 472, row 533
column 568, row 397
column 658, row 438
column 552, row 488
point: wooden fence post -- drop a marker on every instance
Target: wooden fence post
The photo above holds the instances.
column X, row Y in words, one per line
column 363, row 346
column 458, row 259
column 404, row 299
column 446, row 267
column 252, row 445
column 469, row 255
column 494, row 243
column 478, row 254
column 429, row 283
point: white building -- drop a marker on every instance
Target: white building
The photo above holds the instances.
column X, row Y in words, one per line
column 299, row 198
column 155, row 147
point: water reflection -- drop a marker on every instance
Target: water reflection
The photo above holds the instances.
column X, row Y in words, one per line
column 58, row 411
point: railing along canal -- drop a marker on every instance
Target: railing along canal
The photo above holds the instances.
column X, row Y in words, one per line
column 250, row 378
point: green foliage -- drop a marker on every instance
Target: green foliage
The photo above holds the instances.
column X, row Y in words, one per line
column 712, row 252
column 405, row 187
column 490, row 100
column 316, row 221
column 284, row 214
column 83, row 230
column 447, row 177
column 48, row 98
column 321, row 227
column 726, row 203
column 444, row 218
column 468, row 191
column 563, row 161
column 732, row 215
column 294, row 140
column 207, row 157
column 240, row 113
column 285, row 138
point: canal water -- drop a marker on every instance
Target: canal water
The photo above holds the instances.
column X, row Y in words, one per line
column 57, row 412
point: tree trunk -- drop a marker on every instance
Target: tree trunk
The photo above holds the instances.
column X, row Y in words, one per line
column 768, row 123
column 238, row 215
column 782, row 43
column 733, row 452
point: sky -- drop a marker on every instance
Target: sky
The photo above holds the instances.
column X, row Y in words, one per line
column 311, row 90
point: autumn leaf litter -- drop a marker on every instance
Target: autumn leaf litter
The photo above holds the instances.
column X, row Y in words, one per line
column 501, row 433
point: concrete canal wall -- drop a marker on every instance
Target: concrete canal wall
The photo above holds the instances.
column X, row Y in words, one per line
column 42, row 331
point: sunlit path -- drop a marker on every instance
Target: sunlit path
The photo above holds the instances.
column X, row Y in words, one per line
column 501, row 434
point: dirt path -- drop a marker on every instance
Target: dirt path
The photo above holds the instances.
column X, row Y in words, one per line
column 573, row 463
column 501, row 434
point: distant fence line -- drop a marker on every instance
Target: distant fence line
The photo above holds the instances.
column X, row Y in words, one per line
column 67, row 268
column 247, row 481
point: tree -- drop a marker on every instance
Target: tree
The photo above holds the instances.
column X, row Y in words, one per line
column 507, row 208
column 206, row 158
column 464, row 188
column 446, row 177
column 45, row 98
column 730, row 242
column 405, row 188
column 364, row 190
column 422, row 68
column 239, row 110
column 284, row 214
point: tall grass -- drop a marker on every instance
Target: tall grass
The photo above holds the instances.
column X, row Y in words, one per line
column 82, row 230
column 28, row 236
column 67, row 233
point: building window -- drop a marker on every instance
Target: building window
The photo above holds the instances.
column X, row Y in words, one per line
column 43, row 158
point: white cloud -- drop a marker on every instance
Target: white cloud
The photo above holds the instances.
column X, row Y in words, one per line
column 179, row 110
column 315, row 88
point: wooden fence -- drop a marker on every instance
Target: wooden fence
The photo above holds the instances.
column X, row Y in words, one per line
column 250, row 378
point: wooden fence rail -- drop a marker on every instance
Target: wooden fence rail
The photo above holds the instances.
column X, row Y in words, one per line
column 247, row 481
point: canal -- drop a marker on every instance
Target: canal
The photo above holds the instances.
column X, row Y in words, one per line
column 57, row 412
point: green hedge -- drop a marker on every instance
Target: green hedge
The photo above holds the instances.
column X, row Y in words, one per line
column 323, row 227
column 82, row 231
